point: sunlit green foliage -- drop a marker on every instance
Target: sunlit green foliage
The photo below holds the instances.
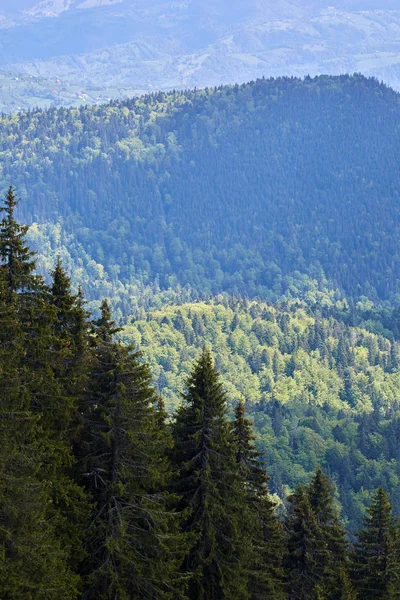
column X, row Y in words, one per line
column 318, row 390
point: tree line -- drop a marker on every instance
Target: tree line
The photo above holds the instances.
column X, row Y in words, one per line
column 103, row 496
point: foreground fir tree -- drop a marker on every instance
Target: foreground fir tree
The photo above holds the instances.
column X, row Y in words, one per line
column 18, row 261
column 264, row 559
column 71, row 322
column 316, row 562
column 37, row 497
column 71, row 347
column 302, row 568
column 376, row 559
column 333, row 557
column 212, row 494
column 133, row 543
column 74, row 346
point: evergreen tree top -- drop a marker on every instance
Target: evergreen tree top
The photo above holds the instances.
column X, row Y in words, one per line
column 378, row 516
column 105, row 327
column 61, row 287
column 247, row 455
column 320, row 492
column 204, row 383
column 17, row 259
column 376, row 559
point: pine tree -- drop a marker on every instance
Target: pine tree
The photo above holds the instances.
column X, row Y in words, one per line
column 333, row 556
column 376, row 559
column 71, row 317
column 133, row 542
column 347, row 590
column 71, row 367
column 304, row 545
column 317, row 548
column 208, row 482
column 17, row 259
column 35, row 418
column 265, row 556
column 72, row 332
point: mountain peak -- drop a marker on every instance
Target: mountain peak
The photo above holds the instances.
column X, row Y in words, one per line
column 54, row 8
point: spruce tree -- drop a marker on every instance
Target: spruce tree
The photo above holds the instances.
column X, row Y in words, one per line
column 376, row 558
column 316, row 565
column 71, row 322
column 260, row 525
column 18, row 261
column 133, row 543
column 73, row 343
column 212, row 496
column 334, row 554
column 71, row 363
column 304, row 545
column 35, row 559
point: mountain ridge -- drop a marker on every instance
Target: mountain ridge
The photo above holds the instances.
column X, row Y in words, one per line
column 165, row 45
column 251, row 190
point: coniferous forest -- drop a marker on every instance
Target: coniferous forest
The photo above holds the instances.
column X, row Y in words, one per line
column 251, row 189
column 103, row 495
column 200, row 346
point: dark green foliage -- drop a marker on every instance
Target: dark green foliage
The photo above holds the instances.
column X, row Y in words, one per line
column 40, row 505
column 376, row 559
column 17, row 259
column 316, row 560
column 71, row 323
column 264, row 559
column 332, row 560
column 211, row 492
column 133, row 541
column 67, row 386
column 302, row 567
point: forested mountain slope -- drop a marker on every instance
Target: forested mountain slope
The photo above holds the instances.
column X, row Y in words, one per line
column 238, row 189
column 318, row 390
column 103, row 495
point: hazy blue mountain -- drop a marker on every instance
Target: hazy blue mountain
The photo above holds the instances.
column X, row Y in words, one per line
column 159, row 44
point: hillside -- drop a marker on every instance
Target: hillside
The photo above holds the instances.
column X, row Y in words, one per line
column 26, row 92
column 151, row 45
column 257, row 190
column 106, row 494
column 318, row 390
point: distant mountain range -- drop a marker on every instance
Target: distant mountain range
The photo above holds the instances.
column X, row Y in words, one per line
column 142, row 45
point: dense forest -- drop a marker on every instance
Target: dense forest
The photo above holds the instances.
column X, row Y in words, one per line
column 319, row 391
column 255, row 190
column 105, row 496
